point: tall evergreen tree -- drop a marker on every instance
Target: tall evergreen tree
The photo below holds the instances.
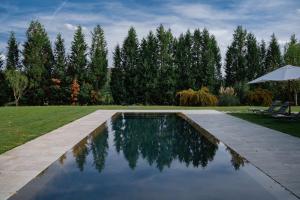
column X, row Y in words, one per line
column 184, row 61
column 273, row 56
column 207, row 60
column 60, row 88
column 77, row 66
column 166, row 73
column 235, row 66
column 38, row 63
column 98, row 55
column 196, row 71
column 12, row 57
column 129, row 64
column 262, row 58
column 117, row 78
column 217, row 64
column 59, row 68
column 252, row 58
column 292, row 52
column 148, row 69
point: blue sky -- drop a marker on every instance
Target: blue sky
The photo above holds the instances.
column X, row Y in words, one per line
column 261, row 17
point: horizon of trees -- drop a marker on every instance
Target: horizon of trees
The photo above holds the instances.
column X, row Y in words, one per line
column 149, row 71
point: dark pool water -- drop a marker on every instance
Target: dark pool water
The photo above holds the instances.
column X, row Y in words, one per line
column 151, row 157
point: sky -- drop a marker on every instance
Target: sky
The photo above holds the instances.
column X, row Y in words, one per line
column 220, row 17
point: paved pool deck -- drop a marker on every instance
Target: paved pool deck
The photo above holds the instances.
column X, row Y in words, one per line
column 275, row 153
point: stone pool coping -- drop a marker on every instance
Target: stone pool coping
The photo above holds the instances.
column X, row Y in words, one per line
column 275, row 153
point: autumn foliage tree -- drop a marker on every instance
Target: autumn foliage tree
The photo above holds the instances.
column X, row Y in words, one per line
column 75, row 88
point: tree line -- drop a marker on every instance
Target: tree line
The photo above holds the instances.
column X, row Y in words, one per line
column 149, row 71
column 52, row 74
column 153, row 70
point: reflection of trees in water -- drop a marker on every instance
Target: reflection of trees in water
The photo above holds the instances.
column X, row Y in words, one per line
column 80, row 151
column 98, row 146
column 159, row 140
column 236, row 160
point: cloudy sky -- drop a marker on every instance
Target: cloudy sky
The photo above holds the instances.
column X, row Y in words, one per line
column 261, row 17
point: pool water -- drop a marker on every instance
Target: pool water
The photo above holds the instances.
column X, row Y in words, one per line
column 151, row 156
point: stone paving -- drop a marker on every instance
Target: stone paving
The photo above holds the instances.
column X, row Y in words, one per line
column 275, row 153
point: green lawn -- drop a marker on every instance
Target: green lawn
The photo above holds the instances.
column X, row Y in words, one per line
column 19, row 125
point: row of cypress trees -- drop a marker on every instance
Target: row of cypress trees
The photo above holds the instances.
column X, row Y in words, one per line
column 149, row 71
column 246, row 59
column 153, row 70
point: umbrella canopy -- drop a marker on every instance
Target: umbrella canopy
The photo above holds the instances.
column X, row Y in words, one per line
column 286, row 73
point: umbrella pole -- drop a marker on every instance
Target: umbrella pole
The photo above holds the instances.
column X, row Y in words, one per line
column 289, row 85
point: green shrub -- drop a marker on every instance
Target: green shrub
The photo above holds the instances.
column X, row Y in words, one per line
column 260, row 97
column 201, row 97
column 229, row 100
column 228, row 97
column 242, row 89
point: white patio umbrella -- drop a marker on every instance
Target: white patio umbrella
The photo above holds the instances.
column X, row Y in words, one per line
column 287, row 73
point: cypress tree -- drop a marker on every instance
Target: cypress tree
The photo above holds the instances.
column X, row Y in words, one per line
column 217, row 64
column 207, row 60
column 196, row 71
column 273, row 56
column 292, row 52
column 129, row 64
column 183, row 61
column 148, row 70
column 252, row 58
column 60, row 89
column 98, row 55
column 262, row 58
column 235, row 66
column 166, row 73
column 229, row 71
column 117, row 78
column 38, row 63
column 78, row 59
column 13, row 58
column 59, row 69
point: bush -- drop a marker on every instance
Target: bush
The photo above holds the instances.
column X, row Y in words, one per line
column 229, row 100
column 201, row 97
column 260, row 97
column 84, row 96
column 242, row 89
column 228, row 97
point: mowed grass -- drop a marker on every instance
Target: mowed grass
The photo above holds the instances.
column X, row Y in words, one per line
column 21, row 124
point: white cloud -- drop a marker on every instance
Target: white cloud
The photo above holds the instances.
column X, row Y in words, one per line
column 202, row 11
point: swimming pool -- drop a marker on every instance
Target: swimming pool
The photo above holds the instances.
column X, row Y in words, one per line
column 151, row 156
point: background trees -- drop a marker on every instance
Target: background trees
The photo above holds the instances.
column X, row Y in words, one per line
column 147, row 71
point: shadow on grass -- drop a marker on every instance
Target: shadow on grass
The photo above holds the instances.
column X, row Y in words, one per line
column 282, row 125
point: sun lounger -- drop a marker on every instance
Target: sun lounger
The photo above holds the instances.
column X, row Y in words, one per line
column 293, row 116
column 271, row 109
